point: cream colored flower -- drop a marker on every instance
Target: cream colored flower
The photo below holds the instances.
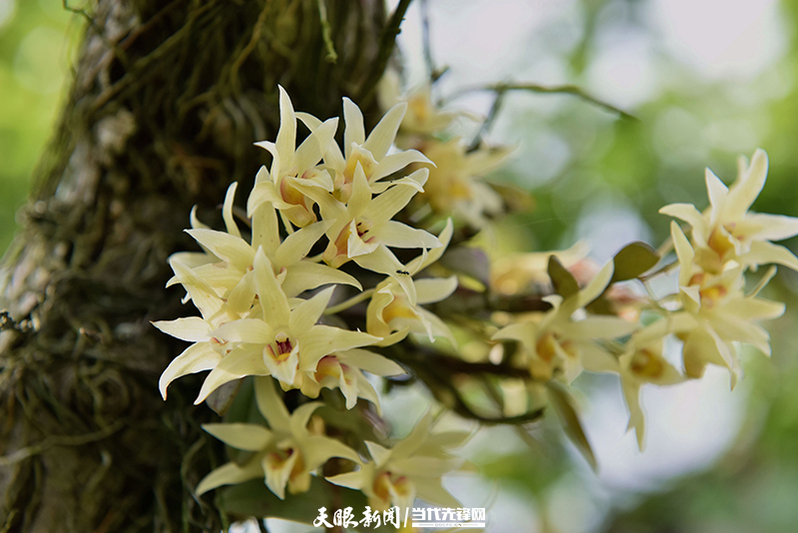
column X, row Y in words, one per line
column 555, row 345
column 292, row 165
column 391, row 315
column 716, row 314
column 227, row 262
column 277, row 340
column 640, row 363
column 727, row 231
column 285, row 454
column 412, row 468
column 205, row 352
column 362, row 230
column 369, row 153
column 454, row 184
column 344, row 370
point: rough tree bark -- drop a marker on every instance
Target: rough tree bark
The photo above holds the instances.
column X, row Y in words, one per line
column 168, row 98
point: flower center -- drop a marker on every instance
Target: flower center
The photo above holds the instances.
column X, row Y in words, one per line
column 388, row 485
column 282, row 347
column 646, row 364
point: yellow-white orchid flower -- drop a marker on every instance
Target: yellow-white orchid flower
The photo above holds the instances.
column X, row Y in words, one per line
column 282, row 340
column 291, row 165
column 226, row 264
column 727, row 231
column 370, row 153
column 412, row 468
column 423, row 116
column 453, row 185
column 286, row 454
column 555, row 345
column 391, row 315
column 205, row 352
column 640, row 363
column 344, row 370
column 362, row 229
column 716, row 313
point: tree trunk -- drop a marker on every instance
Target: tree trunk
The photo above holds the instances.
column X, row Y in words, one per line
column 168, row 98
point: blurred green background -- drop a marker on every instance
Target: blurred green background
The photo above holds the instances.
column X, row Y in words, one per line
column 707, row 80
column 37, row 38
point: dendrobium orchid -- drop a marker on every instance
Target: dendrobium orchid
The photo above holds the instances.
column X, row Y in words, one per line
column 727, row 231
column 453, row 186
column 412, row 468
column 323, row 215
column 363, row 229
column 390, row 314
column 344, row 370
column 281, row 341
column 721, row 314
column 292, row 165
column 556, row 345
column 286, row 453
column 369, row 153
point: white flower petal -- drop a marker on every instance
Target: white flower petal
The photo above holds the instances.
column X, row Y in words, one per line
column 228, row 247
column 383, row 261
column 245, row 360
column 431, row 290
column 765, row 227
column 395, row 162
column 320, row 340
column 386, row 205
column 191, row 329
column 686, row 212
column 298, row 244
column 743, row 193
column 684, row 252
column 250, row 437
column 717, row 191
column 196, row 358
column 230, row 474
column 384, row 133
column 286, row 136
column 272, row 299
column 370, row 362
column 249, row 330
column 398, row 235
column 314, row 147
column 764, row 252
column 305, row 276
column 354, row 131
column 306, row 314
column 227, row 211
column 271, row 406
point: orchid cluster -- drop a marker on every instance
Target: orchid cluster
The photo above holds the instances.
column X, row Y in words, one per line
column 264, row 315
column 352, row 263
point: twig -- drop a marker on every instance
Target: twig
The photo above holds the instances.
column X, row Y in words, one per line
column 488, row 122
column 349, row 303
column 434, row 73
column 501, row 88
column 386, row 46
column 326, row 32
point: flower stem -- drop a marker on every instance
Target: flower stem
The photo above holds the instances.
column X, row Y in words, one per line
column 346, row 304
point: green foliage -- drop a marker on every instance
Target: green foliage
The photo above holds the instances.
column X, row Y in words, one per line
column 633, row 260
column 34, row 50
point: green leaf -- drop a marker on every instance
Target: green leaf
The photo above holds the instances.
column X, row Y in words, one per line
column 564, row 282
column 254, row 499
column 633, row 260
column 564, row 407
